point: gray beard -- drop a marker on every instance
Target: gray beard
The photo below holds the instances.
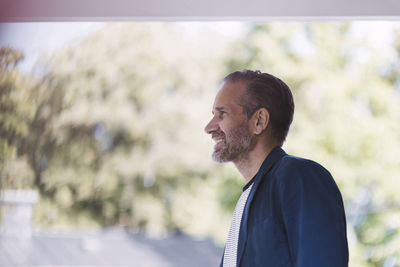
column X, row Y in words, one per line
column 237, row 143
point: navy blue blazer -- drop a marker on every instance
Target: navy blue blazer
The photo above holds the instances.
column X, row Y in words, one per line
column 294, row 216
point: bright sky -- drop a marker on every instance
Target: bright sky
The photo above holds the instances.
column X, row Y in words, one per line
column 36, row 39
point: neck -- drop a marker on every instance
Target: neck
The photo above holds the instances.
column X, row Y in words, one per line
column 249, row 164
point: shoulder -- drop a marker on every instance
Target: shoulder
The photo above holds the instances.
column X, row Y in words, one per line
column 296, row 170
column 290, row 163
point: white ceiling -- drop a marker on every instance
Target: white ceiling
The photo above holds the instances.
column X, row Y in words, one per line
column 183, row 10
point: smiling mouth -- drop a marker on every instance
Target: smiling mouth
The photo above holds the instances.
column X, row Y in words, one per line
column 219, row 143
column 218, row 138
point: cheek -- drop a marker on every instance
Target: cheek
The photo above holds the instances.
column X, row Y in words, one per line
column 224, row 129
column 225, row 125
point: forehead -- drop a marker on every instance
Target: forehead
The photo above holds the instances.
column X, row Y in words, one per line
column 229, row 94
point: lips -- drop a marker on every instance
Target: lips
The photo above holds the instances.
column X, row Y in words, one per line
column 219, row 139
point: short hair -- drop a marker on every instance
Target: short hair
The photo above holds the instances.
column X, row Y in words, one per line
column 264, row 90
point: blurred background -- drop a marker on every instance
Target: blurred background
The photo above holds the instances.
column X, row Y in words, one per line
column 102, row 147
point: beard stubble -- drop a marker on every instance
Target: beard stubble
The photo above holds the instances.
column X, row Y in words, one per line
column 236, row 144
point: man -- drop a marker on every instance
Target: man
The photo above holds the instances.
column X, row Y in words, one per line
column 291, row 211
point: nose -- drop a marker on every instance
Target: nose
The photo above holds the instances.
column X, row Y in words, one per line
column 211, row 126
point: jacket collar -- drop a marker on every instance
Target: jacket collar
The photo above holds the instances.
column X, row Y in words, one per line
column 276, row 154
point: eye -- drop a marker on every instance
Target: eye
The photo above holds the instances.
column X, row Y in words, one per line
column 222, row 114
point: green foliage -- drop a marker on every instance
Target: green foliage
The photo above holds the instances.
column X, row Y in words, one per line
column 127, row 142
column 16, row 113
column 28, row 108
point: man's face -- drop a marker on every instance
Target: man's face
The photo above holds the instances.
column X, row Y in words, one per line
column 229, row 127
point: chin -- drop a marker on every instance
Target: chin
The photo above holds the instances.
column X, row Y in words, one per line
column 219, row 157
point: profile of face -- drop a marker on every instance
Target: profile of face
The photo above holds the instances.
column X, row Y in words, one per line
column 229, row 126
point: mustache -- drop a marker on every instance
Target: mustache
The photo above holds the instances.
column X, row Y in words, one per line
column 216, row 134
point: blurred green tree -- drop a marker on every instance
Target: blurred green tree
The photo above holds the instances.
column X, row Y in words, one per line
column 129, row 147
column 28, row 108
column 11, row 129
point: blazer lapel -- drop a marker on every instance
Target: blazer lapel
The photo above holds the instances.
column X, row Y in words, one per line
column 272, row 157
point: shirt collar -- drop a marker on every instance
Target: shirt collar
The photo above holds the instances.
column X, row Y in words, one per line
column 269, row 161
column 248, row 184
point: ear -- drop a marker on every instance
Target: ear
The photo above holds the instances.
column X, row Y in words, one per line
column 260, row 120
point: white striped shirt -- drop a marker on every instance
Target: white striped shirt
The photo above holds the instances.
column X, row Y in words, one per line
column 231, row 245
